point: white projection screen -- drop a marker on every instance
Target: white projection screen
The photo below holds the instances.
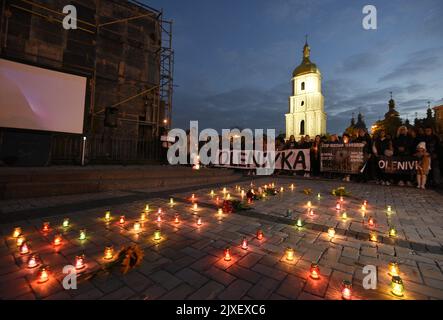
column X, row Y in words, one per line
column 40, row 99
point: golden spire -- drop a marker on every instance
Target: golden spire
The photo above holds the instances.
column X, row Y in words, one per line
column 306, row 49
column 306, row 65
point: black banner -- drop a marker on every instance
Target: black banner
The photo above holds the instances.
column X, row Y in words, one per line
column 397, row 165
column 343, row 158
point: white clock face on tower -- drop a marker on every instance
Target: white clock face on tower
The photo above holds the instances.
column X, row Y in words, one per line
column 306, row 105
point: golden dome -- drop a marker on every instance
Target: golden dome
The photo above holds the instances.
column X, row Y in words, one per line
column 306, row 66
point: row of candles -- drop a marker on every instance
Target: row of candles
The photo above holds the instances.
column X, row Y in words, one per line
column 80, row 261
column 371, row 221
column 397, row 287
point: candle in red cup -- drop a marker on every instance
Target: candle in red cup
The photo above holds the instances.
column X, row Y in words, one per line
column 244, row 244
column 24, row 248
column 346, row 290
column 315, row 271
column 33, row 262
column 80, row 262
column 259, row 234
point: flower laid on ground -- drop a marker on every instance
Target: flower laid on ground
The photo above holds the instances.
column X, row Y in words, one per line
column 130, row 258
column 270, row 192
column 230, row 206
column 340, row 192
column 127, row 259
column 252, row 195
column 307, row 191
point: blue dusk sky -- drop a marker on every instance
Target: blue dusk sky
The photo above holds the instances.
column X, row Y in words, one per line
column 234, row 59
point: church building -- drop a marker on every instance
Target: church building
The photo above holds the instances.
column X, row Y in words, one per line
column 306, row 114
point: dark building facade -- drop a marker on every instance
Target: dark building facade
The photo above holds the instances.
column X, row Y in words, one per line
column 124, row 50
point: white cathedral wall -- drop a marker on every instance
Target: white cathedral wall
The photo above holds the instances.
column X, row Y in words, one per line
column 312, row 112
column 312, row 83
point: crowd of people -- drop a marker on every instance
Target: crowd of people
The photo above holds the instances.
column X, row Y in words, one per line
column 421, row 143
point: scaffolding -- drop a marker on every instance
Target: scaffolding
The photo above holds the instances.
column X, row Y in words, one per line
column 162, row 103
column 166, row 71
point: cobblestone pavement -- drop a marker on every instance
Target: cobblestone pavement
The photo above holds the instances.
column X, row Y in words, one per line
column 188, row 262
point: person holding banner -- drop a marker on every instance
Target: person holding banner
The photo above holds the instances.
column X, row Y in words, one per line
column 382, row 146
column 367, row 170
column 315, row 156
column 424, row 165
column 291, row 143
column 346, row 139
column 433, row 146
column 306, row 144
column 402, row 145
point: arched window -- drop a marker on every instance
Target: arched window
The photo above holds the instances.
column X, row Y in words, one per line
column 302, row 127
column 302, row 103
column 302, row 86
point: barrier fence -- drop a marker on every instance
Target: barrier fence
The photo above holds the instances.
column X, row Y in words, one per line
column 104, row 150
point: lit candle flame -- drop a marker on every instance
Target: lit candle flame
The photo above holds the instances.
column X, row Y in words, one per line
column 244, row 244
column 289, row 254
column 43, row 275
column 397, row 286
column 32, row 262
column 109, row 253
column 57, row 240
column 82, row 235
column 17, row 232
column 20, row 240
column 227, row 254
column 24, row 248
column 259, row 234
column 394, row 269
column 315, row 271
column 46, row 226
column 79, row 262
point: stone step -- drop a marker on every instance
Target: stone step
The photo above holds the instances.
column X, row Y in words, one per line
column 107, row 181
column 55, row 174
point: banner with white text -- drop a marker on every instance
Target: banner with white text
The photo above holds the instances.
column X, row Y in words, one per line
column 292, row 159
column 397, row 165
column 343, row 158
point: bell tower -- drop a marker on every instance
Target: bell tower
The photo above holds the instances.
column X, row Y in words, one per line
column 306, row 114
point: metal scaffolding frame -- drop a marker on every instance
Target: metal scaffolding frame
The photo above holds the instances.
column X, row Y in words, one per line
column 163, row 98
column 166, row 71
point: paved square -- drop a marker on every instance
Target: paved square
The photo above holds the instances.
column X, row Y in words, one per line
column 188, row 262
